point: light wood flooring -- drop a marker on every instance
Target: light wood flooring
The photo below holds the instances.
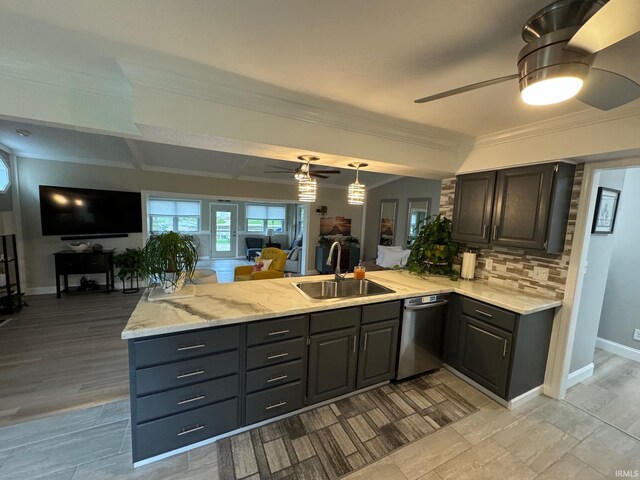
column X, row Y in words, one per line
column 612, row 394
column 59, row 355
column 223, row 266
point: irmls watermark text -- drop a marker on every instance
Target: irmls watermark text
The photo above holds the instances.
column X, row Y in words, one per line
column 627, row 473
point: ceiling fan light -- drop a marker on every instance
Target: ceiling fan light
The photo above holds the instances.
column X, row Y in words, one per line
column 551, row 90
column 307, row 188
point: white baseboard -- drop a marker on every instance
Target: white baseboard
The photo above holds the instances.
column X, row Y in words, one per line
column 580, row 375
column 40, row 290
column 525, row 397
column 618, row 349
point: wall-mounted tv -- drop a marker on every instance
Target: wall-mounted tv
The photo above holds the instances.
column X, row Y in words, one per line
column 82, row 211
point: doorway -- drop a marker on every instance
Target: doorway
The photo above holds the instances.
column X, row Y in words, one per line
column 224, row 223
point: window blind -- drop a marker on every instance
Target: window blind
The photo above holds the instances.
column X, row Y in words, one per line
column 173, row 207
column 266, row 212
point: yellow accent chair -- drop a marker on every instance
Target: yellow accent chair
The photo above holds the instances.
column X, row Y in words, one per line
column 276, row 269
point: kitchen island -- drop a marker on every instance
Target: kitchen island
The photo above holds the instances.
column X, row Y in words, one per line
column 226, row 357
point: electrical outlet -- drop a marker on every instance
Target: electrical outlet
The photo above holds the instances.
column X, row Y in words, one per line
column 636, row 334
column 541, row 274
column 488, row 264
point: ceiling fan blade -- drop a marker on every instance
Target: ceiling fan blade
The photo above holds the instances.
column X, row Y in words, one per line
column 617, row 20
column 317, row 175
column 326, row 171
column 467, row 88
column 277, row 171
column 606, row 90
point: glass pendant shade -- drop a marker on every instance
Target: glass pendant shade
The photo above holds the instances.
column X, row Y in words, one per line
column 307, row 188
column 356, row 193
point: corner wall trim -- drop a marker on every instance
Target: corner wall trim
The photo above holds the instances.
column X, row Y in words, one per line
column 618, row 349
column 580, row 375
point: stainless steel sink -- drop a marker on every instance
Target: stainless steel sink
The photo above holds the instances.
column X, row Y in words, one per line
column 347, row 288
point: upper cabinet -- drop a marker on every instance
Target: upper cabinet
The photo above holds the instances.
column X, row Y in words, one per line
column 473, row 207
column 524, row 207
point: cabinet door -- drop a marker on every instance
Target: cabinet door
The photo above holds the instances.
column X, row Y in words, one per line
column 332, row 364
column 378, row 351
column 452, row 331
column 485, row 354
column 473, row 207
column 522, row 206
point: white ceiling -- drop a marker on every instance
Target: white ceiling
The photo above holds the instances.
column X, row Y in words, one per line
column 378, row 55
column 52, row 143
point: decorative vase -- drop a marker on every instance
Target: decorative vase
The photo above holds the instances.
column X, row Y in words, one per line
column 175, row 284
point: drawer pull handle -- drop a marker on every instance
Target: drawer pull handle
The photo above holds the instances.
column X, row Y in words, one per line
column 191, row 374
column 279, row 404
column 275, row 379
column 191, row 347
column 278, row 355
column 191, row 430
column 480, row 312
column 504, row 348
column 279, row 332
column 189, row 400
column 366, row 337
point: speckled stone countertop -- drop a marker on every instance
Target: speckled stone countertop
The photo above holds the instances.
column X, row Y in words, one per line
column 219, row 304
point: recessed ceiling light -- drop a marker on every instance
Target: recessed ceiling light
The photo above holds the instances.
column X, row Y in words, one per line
column 23, row 133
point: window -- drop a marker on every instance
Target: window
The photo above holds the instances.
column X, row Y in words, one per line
column 175, row 215
column 262, row 217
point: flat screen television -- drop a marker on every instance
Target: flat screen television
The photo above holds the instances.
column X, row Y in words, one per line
column 82, row 211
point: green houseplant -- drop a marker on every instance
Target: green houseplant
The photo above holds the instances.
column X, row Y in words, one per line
column 131, row 264
column 171, row 258
column 433, row 251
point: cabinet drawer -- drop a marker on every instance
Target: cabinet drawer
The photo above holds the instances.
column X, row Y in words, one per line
column 275, row 330
column 70, row 263
column 181, row 346
column 179, row 374
column 274, row 353
column 273, row 402
column 275, row 375
column 166, row 434
column 334, row 320
column 186, row 398
column 492, row 315
column 380, row 311
column 93, row 263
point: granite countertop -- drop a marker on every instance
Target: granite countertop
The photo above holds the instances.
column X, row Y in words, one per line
column 219, row 304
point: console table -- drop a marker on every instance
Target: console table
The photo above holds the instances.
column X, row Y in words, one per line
column 78, row 263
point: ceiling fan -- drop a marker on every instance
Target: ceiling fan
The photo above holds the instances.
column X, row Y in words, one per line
column 562, row 41
column 305, row 166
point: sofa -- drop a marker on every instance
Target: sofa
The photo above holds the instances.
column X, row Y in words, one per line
column 294, row 256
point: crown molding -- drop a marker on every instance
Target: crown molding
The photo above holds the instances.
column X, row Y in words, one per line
column 184, row 171
column 562, row 123
column 78, row 160
column 62, row 77
column 241, row 92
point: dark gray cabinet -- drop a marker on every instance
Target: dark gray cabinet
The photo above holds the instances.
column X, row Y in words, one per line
column 378, row 351
column 504, row 352
column 484, row 354
column 523, row 207
column 333, row 359
column 473, row 207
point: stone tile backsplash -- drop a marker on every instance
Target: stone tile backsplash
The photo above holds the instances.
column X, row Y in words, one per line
column 513, row 267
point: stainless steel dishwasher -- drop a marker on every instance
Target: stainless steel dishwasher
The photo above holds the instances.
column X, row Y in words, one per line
column 421, row 335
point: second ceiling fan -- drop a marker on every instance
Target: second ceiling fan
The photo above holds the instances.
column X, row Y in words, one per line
column 305, row 166
column 562, row 41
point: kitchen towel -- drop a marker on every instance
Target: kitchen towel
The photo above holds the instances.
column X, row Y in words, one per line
column 468, row 265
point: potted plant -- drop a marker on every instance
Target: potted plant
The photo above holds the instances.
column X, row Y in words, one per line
column 171, row 258
column 433, row 251
column 131, row 264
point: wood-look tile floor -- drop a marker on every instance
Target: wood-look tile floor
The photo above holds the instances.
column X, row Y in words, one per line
column 612, row 393
column 545, row 440
column 63, row 354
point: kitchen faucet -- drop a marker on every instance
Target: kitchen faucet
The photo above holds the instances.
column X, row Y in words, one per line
column 338, row 277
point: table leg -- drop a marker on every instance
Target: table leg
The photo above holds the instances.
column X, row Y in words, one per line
column 66, row 283
column 57, row 285
column 108, row 282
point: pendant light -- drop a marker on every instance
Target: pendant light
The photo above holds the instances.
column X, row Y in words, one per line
column 356, row 193
column 307, row 186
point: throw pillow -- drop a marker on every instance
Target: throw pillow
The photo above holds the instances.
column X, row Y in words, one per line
column 295, row 254
column 392, row 258
column 382, row 251
column 261, row 265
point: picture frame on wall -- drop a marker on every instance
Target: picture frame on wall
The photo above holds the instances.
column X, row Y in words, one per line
column 604, row 217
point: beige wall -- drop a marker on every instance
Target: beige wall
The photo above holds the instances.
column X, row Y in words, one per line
column 38, row 250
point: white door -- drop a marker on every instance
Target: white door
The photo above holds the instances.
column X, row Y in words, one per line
column 224, row 221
